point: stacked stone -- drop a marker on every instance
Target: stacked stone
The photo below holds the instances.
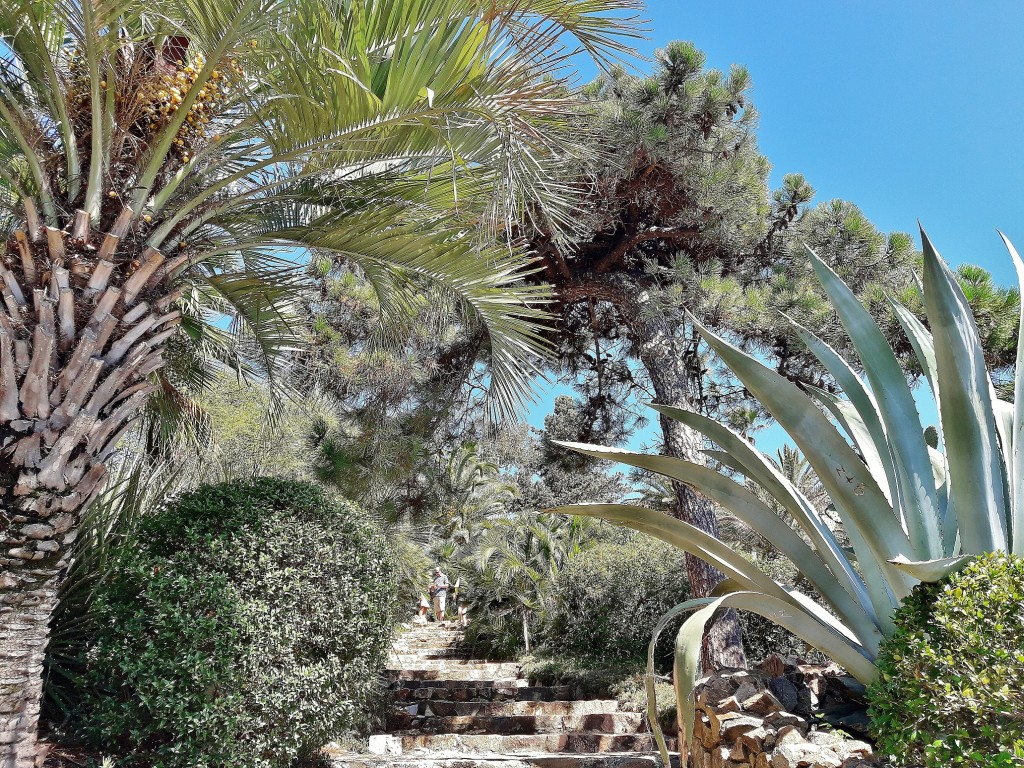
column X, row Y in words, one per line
column 749, row 719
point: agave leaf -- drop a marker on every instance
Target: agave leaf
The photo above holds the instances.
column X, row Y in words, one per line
column 1015, row 516
column 683, row 536
column 921, row 341
column 1003, row 412
column 752, row 511
column 850, row 420
column 742, row 457
column 966, row 410
column 938, row 460
column 932, row 570
column 724, row 587
column 872, row 641
column 877, row 577
column 801, row 624
column 950, row 524
column 898, row 412
column 649, row 680
column 879, row 592
column 863, row 401
column 848, row 481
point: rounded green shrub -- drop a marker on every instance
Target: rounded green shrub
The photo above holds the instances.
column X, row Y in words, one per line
column 247, row 627
column 609, row 598
column 951, row 686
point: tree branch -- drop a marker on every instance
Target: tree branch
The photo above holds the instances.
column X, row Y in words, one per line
column 652, row 233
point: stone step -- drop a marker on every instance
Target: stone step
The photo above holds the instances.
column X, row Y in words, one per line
column 603, row 723
column 444, row 652
column 457, row 684
column 458, row 691
column 493, row 672
column 441, row 651
column 545, row 742
column 456, row 667
column 499, row 708
column 441, row 641
column 430, row 632
column 416, row 661
column 522, row 760
column 426, row 660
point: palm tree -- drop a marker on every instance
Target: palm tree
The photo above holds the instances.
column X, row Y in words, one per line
column 469, row 492
column 162, row 166
column 517, row 561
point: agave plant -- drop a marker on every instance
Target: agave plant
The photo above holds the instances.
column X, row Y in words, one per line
column 912, row 512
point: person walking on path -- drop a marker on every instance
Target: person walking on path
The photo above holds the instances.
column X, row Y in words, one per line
column 439, row 591
column 421, row 611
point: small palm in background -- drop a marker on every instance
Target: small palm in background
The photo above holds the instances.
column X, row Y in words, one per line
column 514, row 567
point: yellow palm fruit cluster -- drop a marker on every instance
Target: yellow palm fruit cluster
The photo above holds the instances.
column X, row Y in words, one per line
column 151, row 96
column 168, row 93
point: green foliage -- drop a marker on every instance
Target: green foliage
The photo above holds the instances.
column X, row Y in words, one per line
column 137, row 486
column 298, row 153
column 950, row 689
column 246, row 627
column 246, row 440
column 592, row 678
column 544, row 475
column 395, row 390
column 510, row 575
column 608, row 599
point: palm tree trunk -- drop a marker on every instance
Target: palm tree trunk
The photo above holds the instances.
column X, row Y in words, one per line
column 24, row 617
column 663, row 356
column 77, row 346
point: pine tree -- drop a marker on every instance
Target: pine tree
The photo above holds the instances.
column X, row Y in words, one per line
column 679, row 225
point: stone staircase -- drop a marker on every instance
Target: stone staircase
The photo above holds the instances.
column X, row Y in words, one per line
column 454, row 711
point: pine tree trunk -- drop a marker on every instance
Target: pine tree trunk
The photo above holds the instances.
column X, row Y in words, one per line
column 663, row 356
column 83, row 324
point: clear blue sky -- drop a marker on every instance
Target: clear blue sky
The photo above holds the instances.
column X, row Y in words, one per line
column 911, row 109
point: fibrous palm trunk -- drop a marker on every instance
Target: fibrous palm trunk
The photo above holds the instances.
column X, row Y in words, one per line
column 83, row 325
column 665, row 361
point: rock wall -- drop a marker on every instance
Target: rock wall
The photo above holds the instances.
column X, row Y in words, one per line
column 762, row 718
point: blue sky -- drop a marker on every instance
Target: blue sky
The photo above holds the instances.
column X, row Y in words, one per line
column 913, row 110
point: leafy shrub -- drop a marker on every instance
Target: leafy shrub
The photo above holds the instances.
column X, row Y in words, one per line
column 609, row 598
column 950, row 691
column 495, row 633
column 136, row 487
column 246, row 627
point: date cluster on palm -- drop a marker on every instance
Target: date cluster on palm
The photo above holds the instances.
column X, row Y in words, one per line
column 82, row 327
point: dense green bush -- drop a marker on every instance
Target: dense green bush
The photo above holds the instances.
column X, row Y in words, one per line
column 246, row 627
column 609, row 598
column 950, row 687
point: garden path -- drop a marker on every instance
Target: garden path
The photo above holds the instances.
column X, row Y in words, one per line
column 455, row 711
